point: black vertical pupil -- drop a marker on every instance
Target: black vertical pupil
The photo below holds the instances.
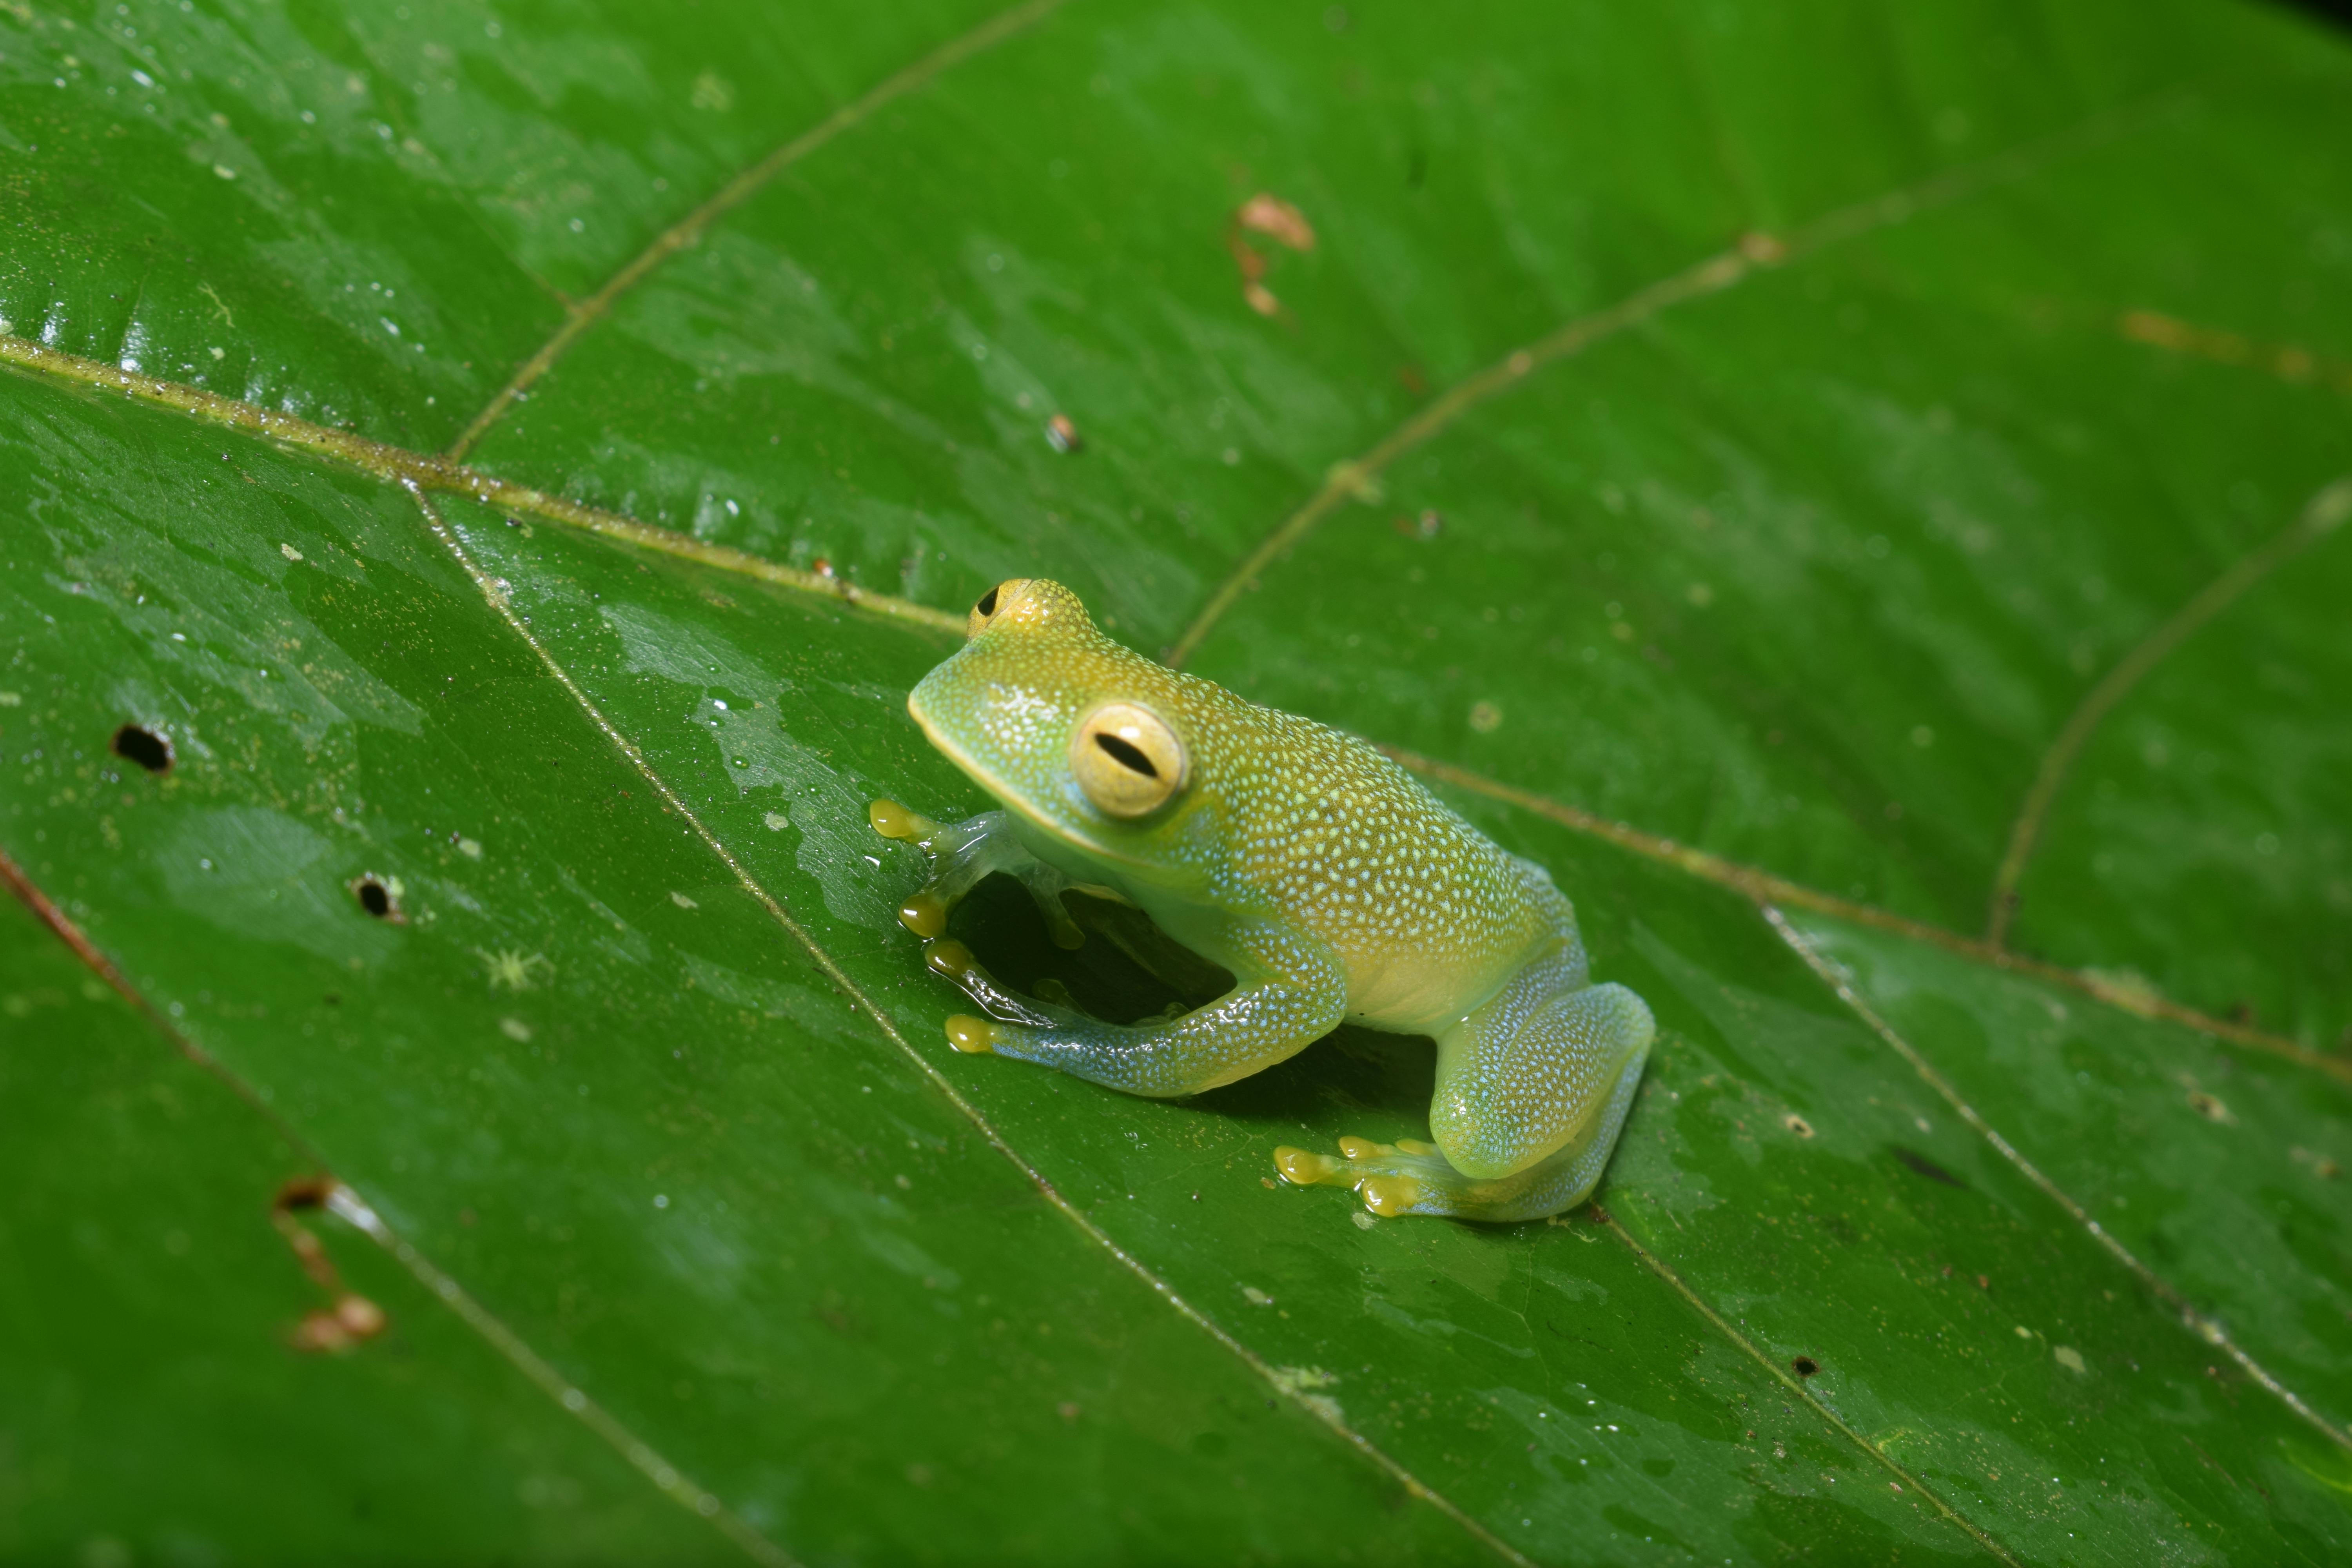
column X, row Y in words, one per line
column 1126, row 755
column 987, row 605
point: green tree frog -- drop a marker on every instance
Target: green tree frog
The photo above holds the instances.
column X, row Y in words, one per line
column 1324, row 877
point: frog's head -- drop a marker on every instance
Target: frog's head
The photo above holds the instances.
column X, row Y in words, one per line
column 1086, row 738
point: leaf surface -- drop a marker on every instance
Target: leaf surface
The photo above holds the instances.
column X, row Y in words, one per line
column 1772, row 433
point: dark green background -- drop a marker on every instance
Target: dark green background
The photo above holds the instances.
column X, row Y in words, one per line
column 1807, row 572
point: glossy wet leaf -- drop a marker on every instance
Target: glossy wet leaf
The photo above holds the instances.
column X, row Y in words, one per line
column 522, row 880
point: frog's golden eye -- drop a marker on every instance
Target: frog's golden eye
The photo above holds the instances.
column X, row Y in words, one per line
column 995, row 599
column 1128, row 759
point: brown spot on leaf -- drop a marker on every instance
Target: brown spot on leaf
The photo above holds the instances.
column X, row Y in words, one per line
column 2209, row 1107
column 2288, row 362
column 348, row 1318
column 1277, row 220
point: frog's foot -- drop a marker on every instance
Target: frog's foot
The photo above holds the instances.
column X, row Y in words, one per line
column 1410, row 1177
column 1392, row 1178
column 925, row 912
column 892, row 820
column 954, row 961
column 964, row 854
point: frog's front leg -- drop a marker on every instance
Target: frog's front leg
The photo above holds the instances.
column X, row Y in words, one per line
column 1532, row 1090
column 962, row 855
column 1291, row 992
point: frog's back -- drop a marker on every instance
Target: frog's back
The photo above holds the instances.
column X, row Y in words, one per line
column 1429, row 915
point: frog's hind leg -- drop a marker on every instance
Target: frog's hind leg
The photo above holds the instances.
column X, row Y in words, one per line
column 1530, row 1099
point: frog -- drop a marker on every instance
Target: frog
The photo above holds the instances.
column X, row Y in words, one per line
column 1324, row 879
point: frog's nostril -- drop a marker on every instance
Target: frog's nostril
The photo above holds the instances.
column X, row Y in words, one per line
column 987, row 605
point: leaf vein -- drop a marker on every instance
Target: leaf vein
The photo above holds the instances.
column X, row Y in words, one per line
column 1794, row 1386
column 1764, row 888
column 2203, row 1326
column 2320, row 515
column 423, row 472
column 1711, row 275
column 443, row 1288
column 580, row 315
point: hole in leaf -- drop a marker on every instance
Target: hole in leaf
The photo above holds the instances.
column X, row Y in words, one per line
column 140, row 744
column 378, row 898
column 1804, row 1366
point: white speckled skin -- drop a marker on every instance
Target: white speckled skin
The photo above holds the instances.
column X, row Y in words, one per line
column 1329, row 882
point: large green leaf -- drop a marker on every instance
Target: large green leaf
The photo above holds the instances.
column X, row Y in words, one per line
column 1882, row 458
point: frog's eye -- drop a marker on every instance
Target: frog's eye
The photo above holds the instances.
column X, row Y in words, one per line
column 995, row 599
column 1127, row 758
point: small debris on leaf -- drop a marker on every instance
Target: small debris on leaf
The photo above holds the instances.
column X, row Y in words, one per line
column 1277, row 220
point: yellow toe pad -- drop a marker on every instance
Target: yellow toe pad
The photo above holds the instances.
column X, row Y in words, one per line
column 966, row 1033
